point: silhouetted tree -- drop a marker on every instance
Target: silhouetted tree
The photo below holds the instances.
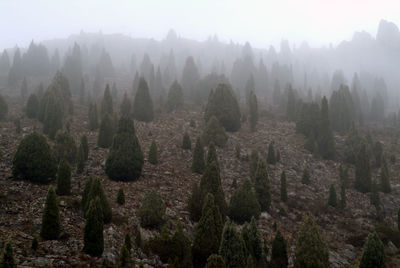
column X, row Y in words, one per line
column 51, row 226
column 385, row 178
column 7, row 260
column 271, row 159
column 332, row 199
column 107, row 106
column 63, row 178
column 143, row 104
column 325, row 141
column 125, row 108
column 3, row 108
column 198, row 163
column 153, row 158
column 253, row 111
column 93, row 121
column 279, row 257
column 121, row 196
column 106, row 132
column 175, row 97
column 262, row 186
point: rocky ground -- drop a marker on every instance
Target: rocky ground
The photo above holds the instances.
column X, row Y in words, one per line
column 21, row 203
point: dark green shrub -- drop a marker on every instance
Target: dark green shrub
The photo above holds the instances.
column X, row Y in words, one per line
column 32, row 106
column 63, row 178
column 214, row 133
column 121, row 197
column 198, row 163
column 153, row 153
column 51, row 226
column 152, row 211
column 93, row 232
column 186, row 143
column 244, row 204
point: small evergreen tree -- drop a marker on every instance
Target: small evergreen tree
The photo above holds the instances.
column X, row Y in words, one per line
column 34, row 160
column 262, row 186
column 311, row 250
column 325, row 141
column 107, row 106
column 85, row 146
column 253, row 111
column 92, row 115
column 332, row 200
column 283, row 187
column 153, row 153
column 51, row 226
column 125, row 108
column 175, row 97
column 32, row 106
column 279, row 257
column 344, row 176
column 152, row 211
column 215, row 261
column 195, row 203
column 63, row 178
column 3, row 108
column 208, row 232
column 232, row 248
column 214, row 133
column 373, row 253
column 125, row 158
column 243, row 204
column 253, row 242
column 363, row 171
column 35, row 243
column 198, row 164
column 65, row 147
column 212, row 155
column 124, row 258
column 81, row 160
column 96, row 190
column 385, row 178
column 305, row 179
column 106, row 132
column 186, row 143
column 7, row 260
column 121, row 196
column 374, row 196
column 271, row 159
column 93, row 232
column 143, row 104
column 53, row 115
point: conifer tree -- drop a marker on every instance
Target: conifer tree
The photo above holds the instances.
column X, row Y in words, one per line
column 325, row 141
column 93, row 232
column 305, row 179
column 215, row 261
column 125, row 158
column 53, row 115
column 107, row 106
column 63, row 178
column 253, row 110
column 152, row 211
column 311, row 250
column 85, row 147
column 143, row 104
column 175, row 97
column 121, row 196
column 223, row 105
column 198, row 163
column 279, row 257
column 65, row 147
column 332, row 200
column 253, row 163
column 243, row 204
column 34, row 160
column 271, row 154
column 385, row 178
column 81, row 160
column 374, row 196
column 214, row 133
column 378, row 153
column 3, row 108
column 51, row 226
column 283, row 187
column 125, row 108
column 32, row 106
column 153, row 158
column 212, row 155
column 343, row 200
column 208, row 233
column 232, row 248
column 195, row 203
column 262, row 186
column 253, row 242
column 363, row 171
column 106, row 132
column 373, row 253
column 186, row 143
column 96, row 190
column 7, row 260
column 124, row 258
column 92, row 115
column 86, row 191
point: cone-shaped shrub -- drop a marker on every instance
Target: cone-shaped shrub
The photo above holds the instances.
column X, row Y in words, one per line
column 373, row 253
column 279, row 257
column 106, row 132
column 64, row 178
column 93, row 232
column 85, row 146
column 332, row 200
column 34, row 160
column 124, row 257
column 214, row 133
column 271, row 159
column 262, row 186
column 93, row 118
column 7, row 260
column 215, row 261
column 153, row 159
column 244, row 204
column 198, row 164
column 51, row 226
column 175, row 97
column 93, row 189
column 143, row 104
column 65, row 147
column 152, row 211
column 232, row 248
column 107, row 102
column 125, row 108
column 125, row 158
column 212, row 154
column 253, row 242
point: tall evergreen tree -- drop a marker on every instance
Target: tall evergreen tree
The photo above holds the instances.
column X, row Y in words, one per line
column 223, row 105
column 186, row 143
column 332, row 199
column 93, row 121
column 232, row 247
column 363, row 172
column 311, row 250
column 198, row 163
column 124, row 260
column 253, row 163
column 325, row 141
column 16, row 71
column 279, row 256
column 212, row 155
column 63, row 178
column 373, row 253
column 93, row 232
column 125, row 158
column 153, row 158
column 190, row 76
column 53, row 115
column 175, row 97
column 253, row 110
column 262, row 186
column 93, row 189
column 65, row 147
column 143, row 104
column 106, row 132
column 208, row 233
column 243, row 204
column 283, row 187
column 80, row 165
column 374, row 196
column 385, row 178
column 214, row 133
column 271, row 159
column 253, row 242
column 85, row 146
column 34, row 160
column 7, row 260
column 342, row 109
column 32, row 106
column 125, row 108
column 107, row 106
column 152, row 211
column 51, row 226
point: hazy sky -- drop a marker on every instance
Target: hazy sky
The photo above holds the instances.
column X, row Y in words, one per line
column 262, row 23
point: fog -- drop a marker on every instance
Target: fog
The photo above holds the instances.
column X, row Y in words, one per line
column 262, row 23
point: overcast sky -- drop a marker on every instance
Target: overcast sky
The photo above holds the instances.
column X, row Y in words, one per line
column 261, row 22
